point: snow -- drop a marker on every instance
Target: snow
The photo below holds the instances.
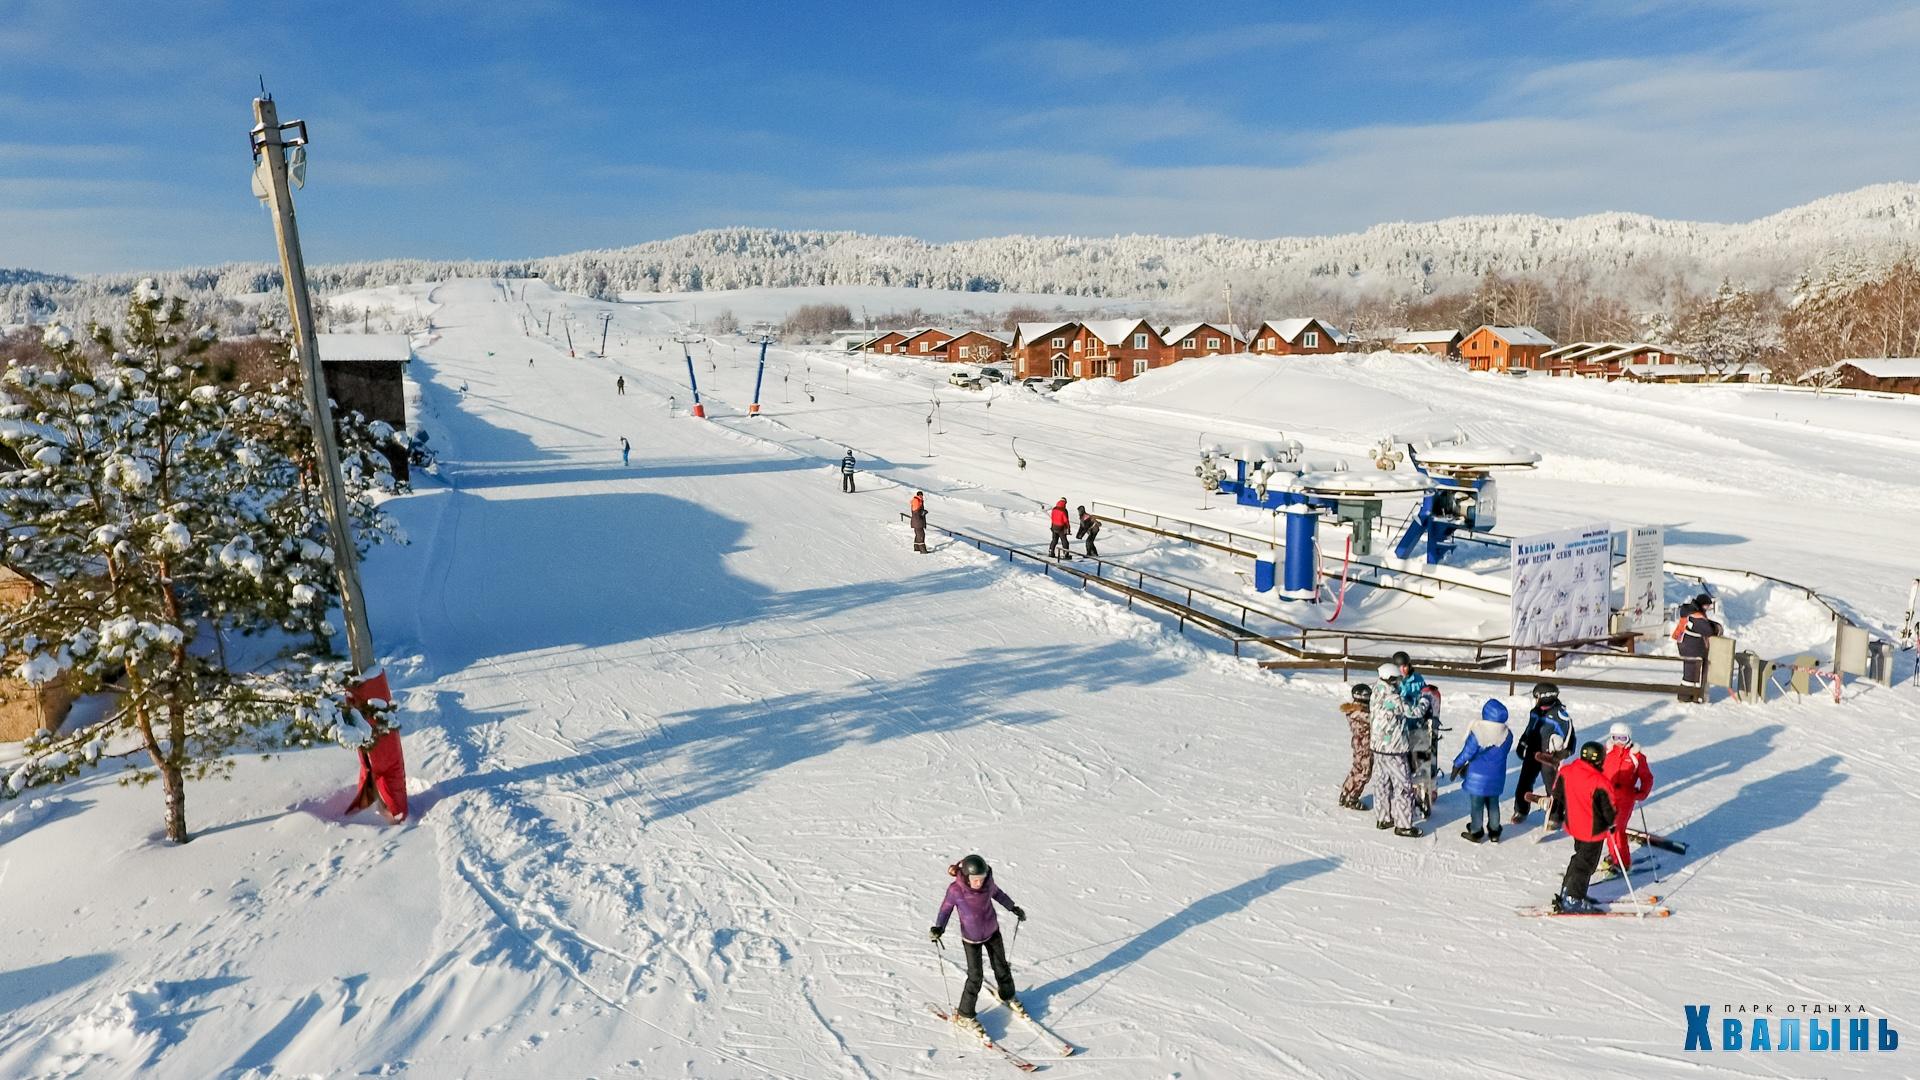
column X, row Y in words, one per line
column 364, row 348
column 1426, row 337
column 692, row 741
column 1887, row 367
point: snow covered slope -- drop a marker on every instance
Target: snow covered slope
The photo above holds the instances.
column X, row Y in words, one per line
column 696, row 738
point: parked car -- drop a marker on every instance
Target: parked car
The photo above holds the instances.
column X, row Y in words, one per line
column 993, row 374
column 1036, row 384
column 1059, row 381
column 966, row 380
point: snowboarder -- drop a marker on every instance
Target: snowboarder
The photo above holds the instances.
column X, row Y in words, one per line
column 1361, row 732
column 620, row 386
column 1543, row 745
column 463, row 388
column 1423, row 735
column 1088, row 531
column 973, row 892
column 529, row 361
column 1691, row 632
column 917, row 514
column 1481, row 768
column 1059, row 546
column 846, row 472
column 1584, row 807
column 383, row 767
column 1630, row 780
column 1392, row 755
column 626, row 450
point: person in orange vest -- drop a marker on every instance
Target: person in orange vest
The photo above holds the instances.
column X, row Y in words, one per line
column 1691, row 633
column 1630, row 780
column 1060, row 546
column 917, row 515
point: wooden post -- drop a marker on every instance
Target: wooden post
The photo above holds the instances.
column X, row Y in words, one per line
column 270, row 147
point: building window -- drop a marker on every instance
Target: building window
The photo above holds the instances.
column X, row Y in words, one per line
column 1140, row 365
column 1213, row 343
column 1139, row 341
column 966, row 351
column 1076, row 369
column 1061, row 343
column 1076, row 344
column 1310, row 339
column 1187, row 344
column 924, row 344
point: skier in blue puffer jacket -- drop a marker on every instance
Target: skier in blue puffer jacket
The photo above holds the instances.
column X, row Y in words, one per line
column 1481, row 768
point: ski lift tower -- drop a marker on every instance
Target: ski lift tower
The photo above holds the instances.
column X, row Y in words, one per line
column 686, row 349
column 1463, row 497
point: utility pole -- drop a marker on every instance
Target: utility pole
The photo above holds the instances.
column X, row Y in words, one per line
column 270, row 147
column 606, row 320
column 1232, row 330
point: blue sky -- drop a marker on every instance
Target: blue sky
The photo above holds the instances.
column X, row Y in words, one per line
column 464, row 128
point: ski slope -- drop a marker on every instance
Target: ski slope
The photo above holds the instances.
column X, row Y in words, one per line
column 693, row 741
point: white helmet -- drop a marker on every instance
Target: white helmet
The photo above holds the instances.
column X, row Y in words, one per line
column 1621, row 732
column 1389, row 670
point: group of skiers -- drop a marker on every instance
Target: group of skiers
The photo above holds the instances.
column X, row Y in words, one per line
column 1590, row 789
column 1059, row 545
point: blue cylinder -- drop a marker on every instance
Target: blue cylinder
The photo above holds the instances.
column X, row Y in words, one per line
column 1303, row 554
column 1263, row 575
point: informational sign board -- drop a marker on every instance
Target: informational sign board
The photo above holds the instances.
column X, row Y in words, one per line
column 1645, row 605
column 1562, row 586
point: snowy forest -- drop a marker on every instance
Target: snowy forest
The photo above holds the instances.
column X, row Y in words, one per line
column 1786, row 278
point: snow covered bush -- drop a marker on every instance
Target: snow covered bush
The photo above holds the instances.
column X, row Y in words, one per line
column 157, row 516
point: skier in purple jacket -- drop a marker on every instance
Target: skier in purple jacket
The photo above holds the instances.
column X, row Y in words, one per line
column 973, row 892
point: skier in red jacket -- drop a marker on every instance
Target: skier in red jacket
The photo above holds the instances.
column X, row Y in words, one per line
column 1630, row 781
column 1059, row 521
column 1583, row 805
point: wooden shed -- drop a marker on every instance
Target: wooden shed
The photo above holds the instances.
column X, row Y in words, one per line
column 1887, row 374
column 1444, row 343
column 366, row 373
column 25, row 709
column 1505, row 348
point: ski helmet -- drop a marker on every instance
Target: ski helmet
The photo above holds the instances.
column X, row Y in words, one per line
column 1362, row 693
column 974, row 865
column 1621, row 732
column 1389, row 671
column 1401, row 659
column 1593, row 753
column 1545, row 691
column 1702, row 602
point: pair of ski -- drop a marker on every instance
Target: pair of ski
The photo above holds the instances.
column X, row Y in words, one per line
column 1011, row 1058
column 1647, row 907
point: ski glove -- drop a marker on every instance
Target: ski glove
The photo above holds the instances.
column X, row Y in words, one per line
column 1459, row 772
column 933, row 934
column 1019, row 912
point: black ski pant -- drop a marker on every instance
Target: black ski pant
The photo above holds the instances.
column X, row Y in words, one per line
column 1060, row 545
column 920, row 534
column 1091, row 550
column 846, row 481
column 1530, row 770
column 1580, row 868
column 996, row 950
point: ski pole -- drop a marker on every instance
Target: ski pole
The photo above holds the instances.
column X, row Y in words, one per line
column 1016, row 937
column 940, row 962
column 1620, row 861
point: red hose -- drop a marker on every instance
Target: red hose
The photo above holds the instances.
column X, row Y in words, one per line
column 1346, row 560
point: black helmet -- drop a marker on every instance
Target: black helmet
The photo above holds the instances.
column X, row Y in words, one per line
column 1545, row 691
column 1401, row 659
column 1702, row 602
column 1593, row 753
column 1362, row 693
column 974, row 864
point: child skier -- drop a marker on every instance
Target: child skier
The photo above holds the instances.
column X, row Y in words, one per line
column 973, row 892
column 1355, row 711
column 1630, row 780
column 1546, row 742
column 1481, row 768
column 1392, row 755
column 1424, row 737
column 1584, row 805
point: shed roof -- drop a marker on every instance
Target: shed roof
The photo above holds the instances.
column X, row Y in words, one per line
column 1886, row 367
column 1290, row 329
column 1115, row 331
column 364, row 348
column 1426, row 337
column 1180, row 332
column 1518, row 335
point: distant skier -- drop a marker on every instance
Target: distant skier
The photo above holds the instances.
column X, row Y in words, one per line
column 973, row 893
column 626, row 449
column 1481, row 768
column 1584, row 807
column 1630, row 781
column 1691, row 632
column 1392, row 755
column 620, row 386
column 463, row 388
column 1543, row 745
column 846, row 472
column 1089, row 531
column 917, row 514
column 383, row 765
column 529, row 361
column 1361, row 733
column 1059, row 546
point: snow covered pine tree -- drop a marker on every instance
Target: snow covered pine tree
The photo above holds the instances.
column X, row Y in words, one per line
column 158, row 516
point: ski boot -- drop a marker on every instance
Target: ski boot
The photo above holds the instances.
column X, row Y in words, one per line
column 1411, row 830
column 1569, row 905
column 1351, row 804
column 1383, row 824
column 1013, row 1005
column 1470, row 834
column 970, row 1025
column 1493, row 836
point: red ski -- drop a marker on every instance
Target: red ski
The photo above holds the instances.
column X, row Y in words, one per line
column 985, row 1040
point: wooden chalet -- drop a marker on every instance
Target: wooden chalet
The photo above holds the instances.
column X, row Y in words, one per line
column 888, row 343
column 1442, row 343
column 1505, row 348
column 926, row 342
column 1188, row 340
column 1287, row 337
column 1044, row 349
column 1887, row 374
column 976, row 347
